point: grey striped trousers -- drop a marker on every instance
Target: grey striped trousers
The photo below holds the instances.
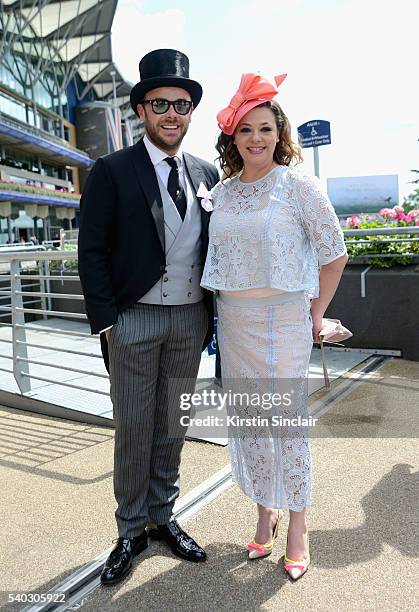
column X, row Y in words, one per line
column 150, row 348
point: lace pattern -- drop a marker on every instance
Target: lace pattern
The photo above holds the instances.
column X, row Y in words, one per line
column 248, row 197
column 271, row 233
column 263, row 350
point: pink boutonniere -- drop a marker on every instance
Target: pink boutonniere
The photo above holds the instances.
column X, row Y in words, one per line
column 206, row 199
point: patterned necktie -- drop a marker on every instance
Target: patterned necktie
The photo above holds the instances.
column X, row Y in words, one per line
column 175, row 188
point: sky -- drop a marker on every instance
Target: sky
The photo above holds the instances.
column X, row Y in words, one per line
column 351, row 62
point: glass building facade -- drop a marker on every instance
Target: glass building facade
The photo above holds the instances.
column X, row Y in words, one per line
column 54, row 57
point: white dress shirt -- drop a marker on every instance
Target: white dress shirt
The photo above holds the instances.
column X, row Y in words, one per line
column 161, row 167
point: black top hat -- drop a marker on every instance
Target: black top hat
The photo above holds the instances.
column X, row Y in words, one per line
column 164, row 68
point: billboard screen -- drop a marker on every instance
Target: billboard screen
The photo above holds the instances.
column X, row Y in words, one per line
column 363, row 194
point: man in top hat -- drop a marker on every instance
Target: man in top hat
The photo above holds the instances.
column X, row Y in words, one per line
column 142, row 243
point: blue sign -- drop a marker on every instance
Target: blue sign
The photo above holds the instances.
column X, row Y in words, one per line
column 314, row 133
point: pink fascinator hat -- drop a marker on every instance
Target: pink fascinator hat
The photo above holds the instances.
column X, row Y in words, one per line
column 253, row 90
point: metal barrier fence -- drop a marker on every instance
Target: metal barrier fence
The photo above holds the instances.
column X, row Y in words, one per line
column 387, row 231
column 26, row 288
column 25, row 292
column 28, row 292
column 69, row 238
column 5, row 284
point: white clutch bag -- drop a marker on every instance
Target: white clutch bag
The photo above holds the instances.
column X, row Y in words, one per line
column 334, row 332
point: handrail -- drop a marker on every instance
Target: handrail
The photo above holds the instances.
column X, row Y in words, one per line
column 10, row 249
column 41, row 302
column 42, row 255
column 73, row 254
column 382, row 231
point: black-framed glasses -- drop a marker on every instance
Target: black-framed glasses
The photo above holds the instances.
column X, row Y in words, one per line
column 161, row 106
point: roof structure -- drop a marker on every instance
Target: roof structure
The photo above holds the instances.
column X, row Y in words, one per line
column 70, row 33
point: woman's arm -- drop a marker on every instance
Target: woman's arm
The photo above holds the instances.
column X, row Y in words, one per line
column 325, row 234
column 330, row 275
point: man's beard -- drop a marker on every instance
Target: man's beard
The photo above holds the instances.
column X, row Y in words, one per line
column 154, row 136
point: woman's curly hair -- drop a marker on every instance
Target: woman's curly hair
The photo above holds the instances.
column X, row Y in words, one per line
column 285, row 153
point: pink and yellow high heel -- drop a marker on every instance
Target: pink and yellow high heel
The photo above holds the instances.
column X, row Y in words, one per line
column 296, row 569
column 257, row 551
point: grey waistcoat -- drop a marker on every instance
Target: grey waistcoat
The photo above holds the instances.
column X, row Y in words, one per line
column 180, row 284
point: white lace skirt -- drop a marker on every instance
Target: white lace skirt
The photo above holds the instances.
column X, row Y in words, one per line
column 265, row 347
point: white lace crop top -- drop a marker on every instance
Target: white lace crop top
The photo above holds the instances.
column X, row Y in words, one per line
column 274, row 232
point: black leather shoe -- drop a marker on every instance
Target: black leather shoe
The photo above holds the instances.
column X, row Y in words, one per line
column 179, row 541
column 119, row 562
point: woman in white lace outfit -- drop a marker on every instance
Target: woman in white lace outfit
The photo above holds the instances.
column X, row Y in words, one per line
column 276, row 254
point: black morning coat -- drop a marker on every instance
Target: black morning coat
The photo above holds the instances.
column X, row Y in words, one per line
column 121, row 235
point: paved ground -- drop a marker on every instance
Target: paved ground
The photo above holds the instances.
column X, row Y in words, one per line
column 58, row 514
column 358, row 543
column 362, row 524
column 59, row 510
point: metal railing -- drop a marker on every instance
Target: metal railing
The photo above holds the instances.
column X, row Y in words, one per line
column 385, row 231
column 69, row 239
column 5, row 278
column 34, row 298
column 21, row 247
column 29, row 287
